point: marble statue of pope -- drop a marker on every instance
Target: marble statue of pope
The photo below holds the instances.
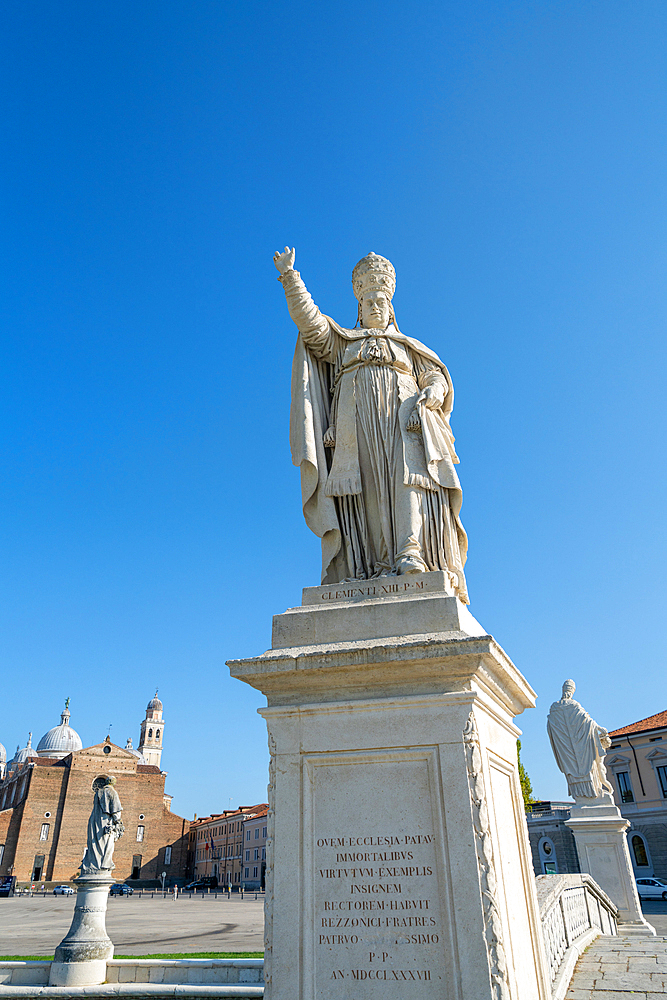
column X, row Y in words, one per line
column 370, row 431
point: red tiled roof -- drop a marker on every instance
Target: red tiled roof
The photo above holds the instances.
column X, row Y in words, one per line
column 260, row 812
column 229, row 814
column 658, row 721
column 148, row 769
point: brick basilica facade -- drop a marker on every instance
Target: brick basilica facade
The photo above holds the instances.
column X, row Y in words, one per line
column 46, row 797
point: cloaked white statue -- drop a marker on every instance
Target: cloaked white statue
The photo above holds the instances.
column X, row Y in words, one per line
column 370, row 430
column 104, row 828
column 579, row 746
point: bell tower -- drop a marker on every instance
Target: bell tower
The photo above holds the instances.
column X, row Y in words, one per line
column 152, row 731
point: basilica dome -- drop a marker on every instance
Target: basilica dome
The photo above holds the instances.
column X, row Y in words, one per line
column 61, row 740
column 135, row 753
column 22, row 756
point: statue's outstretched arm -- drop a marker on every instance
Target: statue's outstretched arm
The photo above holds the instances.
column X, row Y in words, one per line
column 313, row 326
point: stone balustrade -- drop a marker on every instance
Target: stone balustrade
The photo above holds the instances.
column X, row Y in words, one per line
column 573, row 911
column 231, row 978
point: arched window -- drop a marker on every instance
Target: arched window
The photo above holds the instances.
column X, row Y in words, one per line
column 547, row 853
column 157, row 735
column 150, row 734
column 639, row 852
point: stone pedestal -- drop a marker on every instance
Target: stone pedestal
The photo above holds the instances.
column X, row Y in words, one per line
column 82, row 955
column 398, row 859
column 599, row 832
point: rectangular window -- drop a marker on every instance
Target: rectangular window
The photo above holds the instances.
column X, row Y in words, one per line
column 140, row 833
column 256, row 858
column 264, row 831
column 625, row 787
column 257, row 833
column 167, row 855
column 662, row 778
column 247, row 855
column 263, row 854
column 247, row 873
column 247, row 835
column 237, row 876
column 44, row 832
column 2, row 852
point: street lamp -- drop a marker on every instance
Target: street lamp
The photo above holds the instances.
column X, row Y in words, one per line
column 163, row 877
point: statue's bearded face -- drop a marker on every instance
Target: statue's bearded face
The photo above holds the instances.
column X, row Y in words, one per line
column 375, row 310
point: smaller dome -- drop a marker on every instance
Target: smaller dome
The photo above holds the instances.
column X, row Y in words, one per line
column 154, row 705
column 22, row 756
column 136, row 753
column 61, row 740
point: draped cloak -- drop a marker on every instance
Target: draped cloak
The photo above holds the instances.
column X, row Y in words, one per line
column 429, row 457
column 575, row 741
column 103, row 828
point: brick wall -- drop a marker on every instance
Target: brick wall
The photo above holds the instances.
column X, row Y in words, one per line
column 64, row 789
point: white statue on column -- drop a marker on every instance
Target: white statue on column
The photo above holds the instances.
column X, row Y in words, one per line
column 104, row 828
column 579, row 746
column 82, row 955
column 370, row 431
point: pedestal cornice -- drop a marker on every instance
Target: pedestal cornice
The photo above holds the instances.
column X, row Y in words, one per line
column 381, row 668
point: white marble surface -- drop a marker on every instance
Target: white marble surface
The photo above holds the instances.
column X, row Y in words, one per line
column 407, row 614
column 370, row 431
column 398, row 846
column 599, row 831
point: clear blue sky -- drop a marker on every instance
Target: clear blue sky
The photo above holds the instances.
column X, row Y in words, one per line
column 508, row 157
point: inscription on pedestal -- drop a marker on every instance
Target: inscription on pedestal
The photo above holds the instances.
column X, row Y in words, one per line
column 377, row 906
column 384, row 587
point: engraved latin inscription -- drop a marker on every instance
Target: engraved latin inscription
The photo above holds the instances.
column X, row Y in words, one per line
column 377, row 906
column 372, row 590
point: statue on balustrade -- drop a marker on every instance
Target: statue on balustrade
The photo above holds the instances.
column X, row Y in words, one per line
column 579, row 746
column 370, row 431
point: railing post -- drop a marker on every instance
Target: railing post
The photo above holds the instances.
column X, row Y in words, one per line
column 588, row 905
column 564, row 915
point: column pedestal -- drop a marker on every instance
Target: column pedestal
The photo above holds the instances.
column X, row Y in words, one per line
column 82, row 955
column 599, row 832
column 398, row 855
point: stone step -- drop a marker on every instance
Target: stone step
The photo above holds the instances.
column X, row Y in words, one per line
column 152, row 990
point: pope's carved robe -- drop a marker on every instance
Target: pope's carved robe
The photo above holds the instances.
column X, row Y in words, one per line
column 379, row 495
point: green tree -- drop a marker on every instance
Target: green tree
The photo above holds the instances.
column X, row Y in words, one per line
column 526, row 787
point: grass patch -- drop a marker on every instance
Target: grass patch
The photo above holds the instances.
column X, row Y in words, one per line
column 203, row 954
column 195, row 954
column 26, row 958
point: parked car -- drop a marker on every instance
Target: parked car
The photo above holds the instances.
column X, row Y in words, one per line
column 121, row 890
column 63, row 890
column 205, row 882
column 8, row 885
column 652, row 888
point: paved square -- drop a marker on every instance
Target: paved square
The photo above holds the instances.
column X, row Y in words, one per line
column 137, row 925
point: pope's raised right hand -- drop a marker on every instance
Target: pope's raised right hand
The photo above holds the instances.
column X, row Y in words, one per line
column 284, row 261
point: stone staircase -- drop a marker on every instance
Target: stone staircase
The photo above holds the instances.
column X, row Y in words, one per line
column 620, row 967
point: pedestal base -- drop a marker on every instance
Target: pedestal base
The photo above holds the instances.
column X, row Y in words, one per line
column 81, row 957
column 599, row 832
column 398, row 854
